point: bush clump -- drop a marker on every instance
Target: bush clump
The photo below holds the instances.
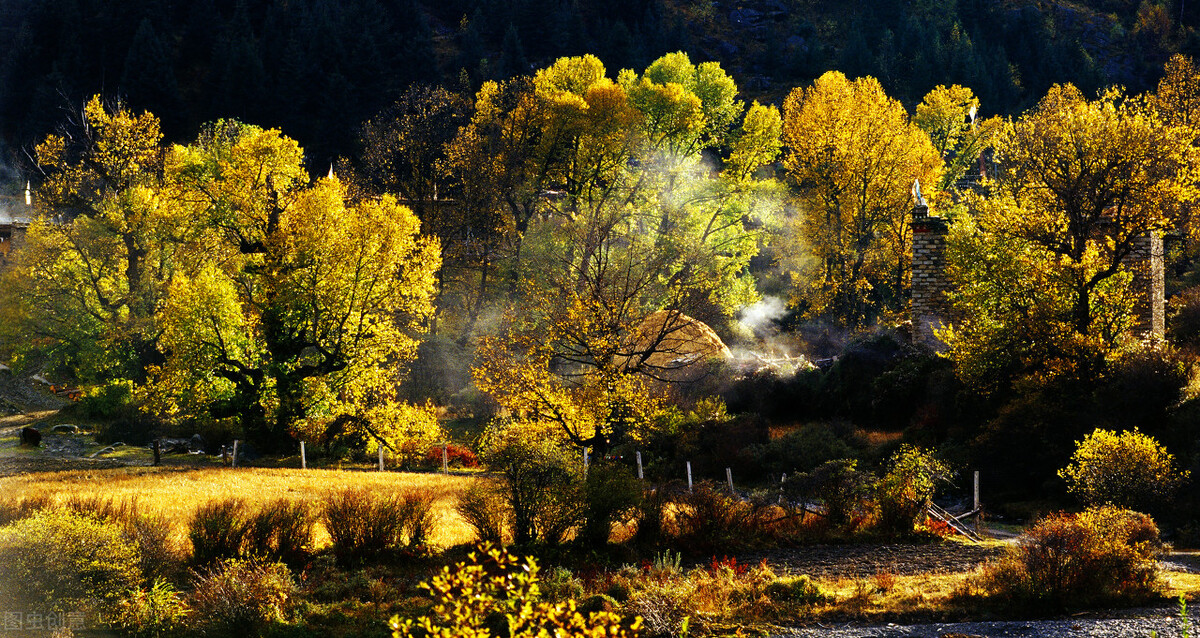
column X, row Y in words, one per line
column 543, row 481
column 711, row 519
column 153, row 612
column 902, row 495
column 469, row 597
column 240, row 597
column 59, row 560
column 364, row 524
column 219, row 529
column 839, row 486
column 1129, row 469
column 1104, row 555
column 487, row 511
column 282, row 530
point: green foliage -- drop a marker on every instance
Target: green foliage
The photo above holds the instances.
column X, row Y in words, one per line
column 151, row 613
column 496, row 591
column 62, row 561
column 799, row 451
column 612, row 493
column 364, row 524
column 108, row 401
column 912, row 478
column 1105, row 555
column 839, row 485
column 1127, row 469
column 238, row 597
column 795, row 589
column 543, row 483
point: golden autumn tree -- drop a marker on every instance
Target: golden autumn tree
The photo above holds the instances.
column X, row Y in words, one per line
column 92, row 273
column 853, row 154
column 950, row 116
column 301, row 307
column 639, row 229
column 1041, row 284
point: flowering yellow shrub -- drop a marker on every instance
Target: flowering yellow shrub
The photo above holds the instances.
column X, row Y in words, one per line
column 494, row 584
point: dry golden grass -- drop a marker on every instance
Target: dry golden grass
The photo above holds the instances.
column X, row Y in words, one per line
column 887, row 594
column 177, row 493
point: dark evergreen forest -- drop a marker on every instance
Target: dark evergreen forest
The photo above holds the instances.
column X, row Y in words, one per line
column 317, row 69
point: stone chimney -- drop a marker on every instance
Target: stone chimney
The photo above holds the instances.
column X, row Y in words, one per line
column 1145, row 261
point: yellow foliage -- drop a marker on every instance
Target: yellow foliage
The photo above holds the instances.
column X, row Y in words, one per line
column 1127, row 469
column 497, row 584
column 854, row 155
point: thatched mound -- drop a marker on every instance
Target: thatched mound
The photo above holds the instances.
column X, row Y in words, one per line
column 671, row 340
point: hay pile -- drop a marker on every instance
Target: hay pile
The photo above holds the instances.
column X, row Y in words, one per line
column 674, row 341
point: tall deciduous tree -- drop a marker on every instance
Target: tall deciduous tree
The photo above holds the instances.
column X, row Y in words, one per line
column 1080, row 182
column 303, row 307
column 853, row 154
column 92, row 275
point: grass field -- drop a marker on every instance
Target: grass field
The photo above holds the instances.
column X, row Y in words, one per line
column 177, row 492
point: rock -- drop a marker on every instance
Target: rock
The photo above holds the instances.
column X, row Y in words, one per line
column 196, row 444
column 65, row 428
column 31, row 437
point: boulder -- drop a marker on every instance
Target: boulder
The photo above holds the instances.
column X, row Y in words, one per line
column 31, row 437
column 65, row 428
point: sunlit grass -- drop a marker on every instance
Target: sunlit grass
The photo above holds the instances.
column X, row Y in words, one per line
column 176, row 493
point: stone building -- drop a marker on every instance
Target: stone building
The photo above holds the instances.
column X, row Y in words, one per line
column 931, row 310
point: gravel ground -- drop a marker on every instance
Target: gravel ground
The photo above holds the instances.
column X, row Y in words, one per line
column 860, row 561
column 1162, row 621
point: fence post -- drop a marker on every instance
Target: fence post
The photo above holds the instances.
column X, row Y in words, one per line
column 381, row 456
column 303, row 457
column 445, row 460
column 976, row 490
column 729, row 477
column 639, row 458
column 156, row 451
column 689, row 469
column 235, row 443
column 585, row 460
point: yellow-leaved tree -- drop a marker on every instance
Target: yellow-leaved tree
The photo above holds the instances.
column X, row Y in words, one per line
column 301, row 309
column 92, row 273
column 853, row 154
column 1040, row 282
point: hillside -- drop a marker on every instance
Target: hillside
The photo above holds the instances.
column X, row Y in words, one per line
column 318, row 70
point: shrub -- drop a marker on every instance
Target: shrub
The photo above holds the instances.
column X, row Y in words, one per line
column 654, row 515
column 363, row 524
column 713, row 520
column 456, row 456
column 903, row 493
column 1129, row 469
column 150, row 533
column 59, row 560
column 794, row 589
column 1104, row 555
column 801, row 450
column 219, row 529
column 283, row 531
column 236, row 597
column 153, row 612
column 493, row 586
column 838, row 485
column 612, row 494
column 486, row 510
column 543, row 482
